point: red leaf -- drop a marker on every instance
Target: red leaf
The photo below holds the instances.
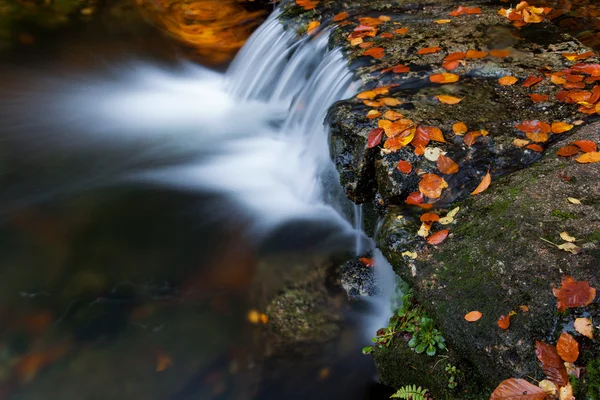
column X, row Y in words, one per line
column 415, row 198
column 589, row 69
column 538, row 98
column 552, row 363
column 535, row 147
column 518, row 389
column 429, row 50
column 446, row 165
column 404, row 167
column 438, row 237
column 400, row 69
column 532, row 80
column 573, row 294
column 369, row 262
column 375, row 52
column 374, row 137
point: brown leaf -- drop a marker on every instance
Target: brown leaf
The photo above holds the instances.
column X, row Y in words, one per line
column 433, row 133
column 431, row 185
column 483, row 185
column 538, row 98
column 504, row 321
column 473, row 316
column 445, row 99
column 573, row 294
column 404, row 167
column 438, row 237
column 567, row 348
column 532, row 80
column 517, row 389
column 471, row 137
column 446, row 165
column 429, row 50
column 374, row 137
column 552, row 363
column 567, row 151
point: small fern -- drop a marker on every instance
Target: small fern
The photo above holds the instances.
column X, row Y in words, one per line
column 410, row 392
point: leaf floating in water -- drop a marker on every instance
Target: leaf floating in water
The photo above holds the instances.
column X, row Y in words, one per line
column 567, row 348
column 507, row 80
column 473, row 316
column 483, row 185
column 445, row 99
column 312, row 26
column 588, row 158
column 438, row 237
column 429, row 50
column 584, row 327
column 504, row 321
column 446, row 165
column 553, row 365
column 517, row 389
column 374, row 138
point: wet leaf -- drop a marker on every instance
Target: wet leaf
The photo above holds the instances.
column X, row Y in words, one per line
column 456, row 56
column 535, row 147
column 588, row 69
column 446, row 165
column 312, row 26
column 548, row 386
column 438, row 237
column 374, row 138
column 573, row 200
column 500, row 53
column 429, row 217
column 401, row 69
column 404, row 166
column 538, row 137
column 567, row 238
column 340, row 17
column 429, row 50
column 399, row 141
column 483, row 185
column 561, row 127
column 573, row 294
column 431, row 185
column 415, row 198
column 575, row 56
column 390, row 101
column 538, row 98
column 584, row 327
column 445, row 99
column 401, row 31
column 557, row 80
column 473, row 316
column 163, row 361
column 567, row 151
column 567, row 348
column 307, row 4
column 588, row 158
column 517, row 389
column 524, row 308
column 442, row 21
column 432, row 153
column 471, row 137
column 504, row 321
column 459, row 128
column 532, row 80
column 450, row 65
column 444, row 77
column 375, row 52
column 534, row 126
column 586, row 146
column 387, row 35
column 368, row 95
column 372, row 103
column 372, row 114
column 368, row 262
column 508, row 80
column 425, row 229
column 552, row 363
column 476, row 54
column 392, row 115
column 433, row 133
column 566, row 393
column 410, row 254
column 520, row 142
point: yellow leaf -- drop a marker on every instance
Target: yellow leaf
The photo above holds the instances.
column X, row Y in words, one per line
column 442, row 21
column 459, row 128
column 520, row 142
column 588, row 158
column 570, row 248
column 573, row 200
column 449, row 218
column 483, row 185
column 312, row 25
column 548, row 386
column 410, row 254
column 367, row 95
column 566, row 393
column 566, row 237
column 425, row 229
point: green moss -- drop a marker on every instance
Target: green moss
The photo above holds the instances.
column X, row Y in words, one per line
column 594, row 236
column 563, row 214
column 593, row 380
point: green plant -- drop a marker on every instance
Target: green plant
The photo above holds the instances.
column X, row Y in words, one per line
column 410, row 392
column 427, row 338
column 453, row 375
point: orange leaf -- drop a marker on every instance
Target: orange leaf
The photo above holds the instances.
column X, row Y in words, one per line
column 433, row 133
column 470, row 137
column 392, row 115
column 588, row 69
column 369, row 262
column 588, row 158
column 390, row 101
column 431, row 185
column 312, row 26
column 573, row 294
column 415, row 198
column 401, row 31
column 518, row 389
column 444, row 77
column 538, row 98
column 554, row 368
column 473, row 316
column 535, row 147
column 539, row 137
column 372, row 103
column 399, row 141
column 534, row 126
column 366, row 45
column 387, row 35
column 472, row 10
column 445, row 99
column 404, row 167
column 430, row 217
column 421, row 139
column 163, row 361
column 459, row 128
column 450, row 65
column 459, row 11
column 504, row 321
column 532, row 80
column 400, row 69
column 483, row 185
column 507, row 80
column 520, row 142
column 372, row 114
column 476, row 54
column 499, row 53
column 446, row 165
column 456, row 56
column 340, row 17
column 307, row 4
column 575, row 56
column 442, row 21
column 438, row 237
column 567, row 151
column 567, row 348
column 557, row 80
column 561, row 127
column 586, row 146
column 374, row 137
column 429, row 50
column 375, row 52
column 368, row 95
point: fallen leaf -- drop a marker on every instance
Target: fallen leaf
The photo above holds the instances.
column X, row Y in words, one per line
column 390, row 101
column 446, row 165
column 520, row 142
column 548, row 386
column 566, row 393
column 438, row 237
column 535, row 147
column 567, row 348
column 476, row 54
column 429, row 217
column 584, row 327
column 415, row 198
column 557, row 80
column 372, row 114
column 401, row 69
column 588, row 158
column 459, row 128
column 500, row 53
column 368, row 262
column 471, row 137
column 587, row 146
column 163, row 361
column 524, row 308
column 532, row 80
column 312, row 26
column 573, row 200
column 307, row 4
column 429, row 50
column 431, row 185
column 449, row 218
column 442, row 21
column 507, row 80
column 483, row 185
column 425, row 229
column 404, row 167
column 567, row 151
column 372, row 103
column 575, row 56
column 473, row 316
column 573, row 294
column 375, row 52
column 368, row 95
column 410, row 254
column 401, row 31
column 374, row 138
column 561, row 127
column 567, row 238
column 433, row 133
column 392, row 115
column 456, row 56
column 397, row 142
column 387, row 35
column 570, row 248
column 504, row 321
column 538, row 98
column 432, row 153
column 552, row 363
column 445, row 99
column 450, row 65
column 517, row 389
column 444, row 77
column 534, row 126
column 340, row 17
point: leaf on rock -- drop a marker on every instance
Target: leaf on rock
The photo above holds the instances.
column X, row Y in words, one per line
column 456, row 56
column 399, row 141
column 366, row 95
column 444, row 77
column 532, row 80
column 476, row 54
column 567, row 151
column 548, row 386
column 340, row 17
column 449, row 218
column 566, row 393
column 429, row 217
column 431, row 185
column 390, row 101
column 507, row 80
column 517, row 389
column 392, row 115
column 404, row 166
column 573, row 294
column 573, row 200
column 425, row 229
column 584, row 327
column 459, row 128
column 561, row 127
column 538, row 98
column 473, row 316
column 588, row 158
column 535, row 147
column 307, row 4
column 445, row 99
column 415, row 198
column 450, row 65
column 429, row 50
column 567, row 348
column 483, row 185
column 401, row 31
column 520, row 142
column 369, row 262
column 433, row 133
column 401, row 69
column 570, row 248
column 504, row 321
column 312, row 26
column 438, row 237
column 566, row 237
column 372, row 114
column 374, row 137
column 552, row 363
column 500, row 53
column 375, row 52
column 587, row 146
column 446, row 165
column 442, row 21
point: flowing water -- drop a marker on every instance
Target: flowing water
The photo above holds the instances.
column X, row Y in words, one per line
column 148, row 210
